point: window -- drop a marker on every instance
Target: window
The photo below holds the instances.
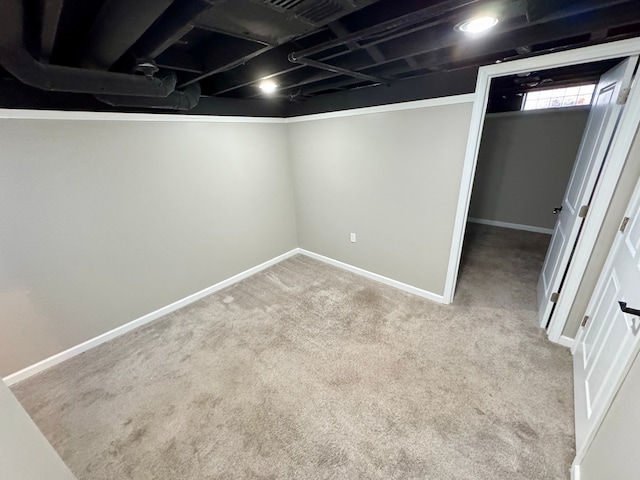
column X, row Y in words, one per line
column 558, row 97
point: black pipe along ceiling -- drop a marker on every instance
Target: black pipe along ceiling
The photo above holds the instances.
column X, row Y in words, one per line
column 155, row 55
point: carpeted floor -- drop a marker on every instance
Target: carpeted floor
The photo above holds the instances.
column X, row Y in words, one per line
column 305, row 371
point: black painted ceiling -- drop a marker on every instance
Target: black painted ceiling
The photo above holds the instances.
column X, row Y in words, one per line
column 313, row 49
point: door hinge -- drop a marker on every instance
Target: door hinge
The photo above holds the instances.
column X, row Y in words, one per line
column 623, row 226
column 554, row 297
column 583, row 211
column 623, row 96
column 584, row 320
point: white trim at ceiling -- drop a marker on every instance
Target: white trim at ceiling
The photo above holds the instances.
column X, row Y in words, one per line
column 393, row 107
column 540, row 111
column 21, row 114
column 29, row 114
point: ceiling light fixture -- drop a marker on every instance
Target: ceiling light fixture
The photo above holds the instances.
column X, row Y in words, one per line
column 477, row 24
column 267, row 86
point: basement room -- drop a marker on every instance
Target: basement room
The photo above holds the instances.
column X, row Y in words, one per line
column 319, row 239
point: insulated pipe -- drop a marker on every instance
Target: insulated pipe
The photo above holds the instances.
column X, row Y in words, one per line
column 181, row 100
column 16, row 59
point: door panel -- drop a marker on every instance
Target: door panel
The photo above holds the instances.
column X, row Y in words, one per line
column 593, row 136
column 633, row 240
column 553, row 258
column 610, row 340
column 603, row 309
column 605, row 359
column 601, row 125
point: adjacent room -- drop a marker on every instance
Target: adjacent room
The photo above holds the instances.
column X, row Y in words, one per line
column 319, row 239
column 535, row 141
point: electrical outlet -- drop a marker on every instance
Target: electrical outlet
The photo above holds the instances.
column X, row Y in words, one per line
column 353, row 238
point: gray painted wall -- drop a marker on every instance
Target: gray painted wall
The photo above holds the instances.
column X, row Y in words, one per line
column 106, row 221
column 25, row 454
column 524, row 165
column 608, row 232
column 393, row 179
column 614, row 452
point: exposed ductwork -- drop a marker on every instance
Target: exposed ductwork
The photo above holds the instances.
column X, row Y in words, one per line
column 377, row 31
column 114, row 49
column 274, row 22
column 179, row 100
column 176, row 22
column 119, row 25
column 16, row 58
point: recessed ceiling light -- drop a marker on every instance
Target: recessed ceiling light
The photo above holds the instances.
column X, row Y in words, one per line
column 268, row 86
column 477, row 24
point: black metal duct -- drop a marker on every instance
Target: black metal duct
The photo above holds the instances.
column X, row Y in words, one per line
column 181, row 100
column 174, row 24
column 16, row 58
column 118, row 26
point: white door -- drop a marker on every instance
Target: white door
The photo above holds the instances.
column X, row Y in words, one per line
column 603, row 118
column 609, row 340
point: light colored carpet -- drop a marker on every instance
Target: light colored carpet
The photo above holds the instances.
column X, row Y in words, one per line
column 306, row 371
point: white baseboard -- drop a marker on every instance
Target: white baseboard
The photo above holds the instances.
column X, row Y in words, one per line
column 575, row 472
column 127, row 327
column 374, row 276
column 566, row 341
column 514, row 226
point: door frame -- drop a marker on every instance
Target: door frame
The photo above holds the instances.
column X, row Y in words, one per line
column 616, row 158
column 615, row 383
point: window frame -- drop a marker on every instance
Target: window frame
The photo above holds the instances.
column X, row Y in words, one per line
column 562, row 93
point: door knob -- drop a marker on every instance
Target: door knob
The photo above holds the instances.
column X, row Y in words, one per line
column 557, row 210
column 625, row 309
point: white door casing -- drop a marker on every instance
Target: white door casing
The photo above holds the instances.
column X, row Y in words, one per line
column 599, row 131
column 619, row 150
column 606, row 346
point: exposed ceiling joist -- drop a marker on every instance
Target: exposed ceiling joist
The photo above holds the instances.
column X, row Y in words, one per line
column 229, row 46
column 445, row 47
column 120, row 23
column 341, row 31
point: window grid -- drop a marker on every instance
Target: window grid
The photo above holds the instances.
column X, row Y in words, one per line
column 558, row 97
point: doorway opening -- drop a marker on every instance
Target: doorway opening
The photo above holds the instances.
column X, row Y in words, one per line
column 536, row 143
column 616, row 153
